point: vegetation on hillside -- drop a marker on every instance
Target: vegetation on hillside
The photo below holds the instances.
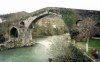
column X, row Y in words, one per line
column 70, row 16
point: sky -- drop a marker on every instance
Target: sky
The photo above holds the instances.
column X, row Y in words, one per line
column 11, row 6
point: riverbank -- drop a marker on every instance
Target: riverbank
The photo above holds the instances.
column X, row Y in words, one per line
column 15, row 44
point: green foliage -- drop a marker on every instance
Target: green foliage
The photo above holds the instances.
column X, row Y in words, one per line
column 74, row 33
column 70, row 16
column 94, row 43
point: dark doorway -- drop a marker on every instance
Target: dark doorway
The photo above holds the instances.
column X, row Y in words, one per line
column 14, row 32
column 2, row 38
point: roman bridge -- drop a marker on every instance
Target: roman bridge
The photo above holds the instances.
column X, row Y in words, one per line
column 20, row 33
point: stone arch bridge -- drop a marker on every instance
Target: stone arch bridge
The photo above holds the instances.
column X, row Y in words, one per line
column 19, row 33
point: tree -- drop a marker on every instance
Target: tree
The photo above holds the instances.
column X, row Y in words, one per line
column 86, row 29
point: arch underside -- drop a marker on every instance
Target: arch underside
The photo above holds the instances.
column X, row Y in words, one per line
column 14, row 32
column 37, row 17
column 48, row 24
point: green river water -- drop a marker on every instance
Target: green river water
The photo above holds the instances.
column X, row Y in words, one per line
column 36, row 53
column 49, row 47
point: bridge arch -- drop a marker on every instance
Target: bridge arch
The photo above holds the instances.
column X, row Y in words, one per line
column 32, row 22
column 33, row 28
column 14, row 32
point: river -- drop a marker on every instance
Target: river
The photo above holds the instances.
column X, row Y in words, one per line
column 48, row 47
column 36, row 53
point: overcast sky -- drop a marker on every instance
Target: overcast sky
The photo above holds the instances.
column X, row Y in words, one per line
column 10, row 6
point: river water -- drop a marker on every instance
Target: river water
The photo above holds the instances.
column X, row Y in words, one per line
column 48, row 47
column 36, row 53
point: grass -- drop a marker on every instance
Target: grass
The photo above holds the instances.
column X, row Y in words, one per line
column 95, row 43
